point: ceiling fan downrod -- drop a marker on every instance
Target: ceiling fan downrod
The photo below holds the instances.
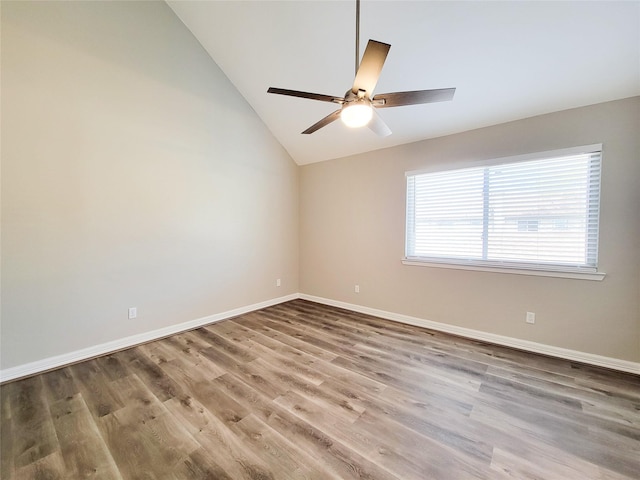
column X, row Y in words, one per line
column 357, row 35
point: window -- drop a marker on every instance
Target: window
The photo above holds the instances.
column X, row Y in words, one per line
column 535, row 212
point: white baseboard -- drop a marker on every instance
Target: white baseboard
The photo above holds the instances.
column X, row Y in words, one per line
column 120, row 344
column 588, row 358
column 50, row 363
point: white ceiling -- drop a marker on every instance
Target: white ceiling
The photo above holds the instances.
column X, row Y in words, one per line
column 508, row 60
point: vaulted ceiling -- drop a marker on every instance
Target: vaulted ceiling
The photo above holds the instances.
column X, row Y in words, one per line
column 508, row 60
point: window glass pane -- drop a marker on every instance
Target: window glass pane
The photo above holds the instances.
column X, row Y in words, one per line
column 448, row 214
column 540, row 212
column 526, row 203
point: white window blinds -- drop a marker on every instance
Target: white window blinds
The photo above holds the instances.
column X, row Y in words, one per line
column 537, row 214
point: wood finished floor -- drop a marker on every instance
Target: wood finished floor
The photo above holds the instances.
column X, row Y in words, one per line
column 301, row 390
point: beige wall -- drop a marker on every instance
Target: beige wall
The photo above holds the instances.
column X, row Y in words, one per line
column 133, row 174
column 352, row 232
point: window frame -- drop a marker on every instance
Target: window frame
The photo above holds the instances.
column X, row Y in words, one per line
column 547, row 270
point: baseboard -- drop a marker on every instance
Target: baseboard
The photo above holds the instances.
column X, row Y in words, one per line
column 50, row 363
column 588, row 358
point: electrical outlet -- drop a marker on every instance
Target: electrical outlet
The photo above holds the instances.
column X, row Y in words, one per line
column 133, row 312
column 530, row 318
column 278, row 282
column 357, row 289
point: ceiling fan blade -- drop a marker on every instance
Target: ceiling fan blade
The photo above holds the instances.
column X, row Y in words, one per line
column 377, row 125
column 398, row 99
column 324, row 122
column 311, row 96
column 370, row 67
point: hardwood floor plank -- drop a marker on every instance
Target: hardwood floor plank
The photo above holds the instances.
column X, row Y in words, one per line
column 321, row 360
column 159, row 352
column 199, row 466
column 356, row 352
column 7, row 435
column 605, row 411
column 520, row 468
column 301, row 390
column 391, row 446
column 301, row 366
column 112, row 367
column 451, row 430
column 33, row 435
column 492, row 352
column 93, row 383
column 340, row 405
column 434, row 458
column 254, row 322
column 566, row 437
column 219, row 403
column 404, row 349
column 50, row 467
column 189, row 357
column 337, row 458
column 215, row 436
column 538, row 413
column 238, row 353
column 84, row 452
column 306, row 437
column 376, row 451
column 306, row 334
column 59, row 384
column 144, row 438
column 521, row 392
column 151, row 374
column 278, row 452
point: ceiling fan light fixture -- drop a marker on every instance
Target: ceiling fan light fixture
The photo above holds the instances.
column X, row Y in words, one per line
column 356, row 114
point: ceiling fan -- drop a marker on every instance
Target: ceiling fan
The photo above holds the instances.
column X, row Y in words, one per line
column 359, row 104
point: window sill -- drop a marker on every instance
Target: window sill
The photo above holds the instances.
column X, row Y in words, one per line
column 597, row 276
